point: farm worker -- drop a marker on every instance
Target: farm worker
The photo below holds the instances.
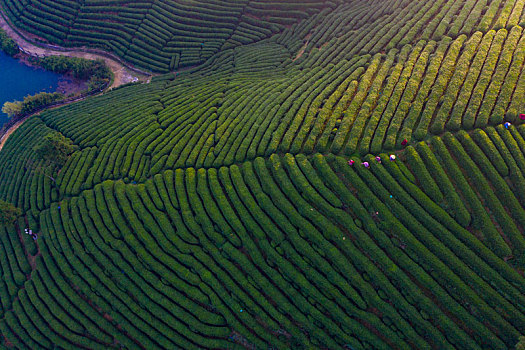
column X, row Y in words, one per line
column 507, row 124
column 366, row 164
column 392, row 157
column 522, row 116
column 351, row 162
column 378, row 159
column 404, row 142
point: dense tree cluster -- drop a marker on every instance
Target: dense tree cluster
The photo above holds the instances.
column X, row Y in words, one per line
column 8, row 213
column 8, row 45
column 96, row 72
column 31, row 103
column 55, row 149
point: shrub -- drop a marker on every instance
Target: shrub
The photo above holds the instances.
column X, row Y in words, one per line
column 8, row 45
column 8, row 213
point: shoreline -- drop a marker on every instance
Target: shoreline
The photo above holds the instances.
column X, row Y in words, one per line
column 12, row 129
column 121, row 73
column 18, row 123
column 66, row 84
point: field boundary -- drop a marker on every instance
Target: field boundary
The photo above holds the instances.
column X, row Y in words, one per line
column 36, row 49
column 21, row 36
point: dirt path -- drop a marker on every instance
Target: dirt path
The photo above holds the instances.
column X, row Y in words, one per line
column 122, row 75
column 10, row 131
column 13, row 128
column 301, row 51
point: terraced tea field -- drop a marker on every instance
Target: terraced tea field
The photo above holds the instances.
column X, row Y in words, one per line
column 227, row 205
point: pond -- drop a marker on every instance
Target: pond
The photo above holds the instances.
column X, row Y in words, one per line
column 18, row 80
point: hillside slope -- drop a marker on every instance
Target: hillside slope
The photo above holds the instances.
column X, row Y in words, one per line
column 216, row 207
column 160, row 35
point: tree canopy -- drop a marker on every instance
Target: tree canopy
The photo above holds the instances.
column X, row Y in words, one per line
column 8, row 213
column 31, row 103
column 7, row 44
column 96, row 72
column 521, row 343
column 55, row 149
column 12, row 108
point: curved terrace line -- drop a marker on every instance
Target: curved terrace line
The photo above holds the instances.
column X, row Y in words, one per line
column 122, row 73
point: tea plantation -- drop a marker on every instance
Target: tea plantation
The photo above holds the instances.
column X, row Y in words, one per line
column 218, row 206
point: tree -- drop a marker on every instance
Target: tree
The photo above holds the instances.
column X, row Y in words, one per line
column 8, row 213
column 521, row 343
column 41, row 168
column 8, row 45
column 31, row 103
column 12, row 109
column 55, row 149
column 38, row 101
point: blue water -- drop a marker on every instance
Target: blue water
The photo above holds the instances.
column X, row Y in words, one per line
column 18, row 80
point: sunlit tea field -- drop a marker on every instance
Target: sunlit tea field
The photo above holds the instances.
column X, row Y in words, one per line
column 299, row 174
